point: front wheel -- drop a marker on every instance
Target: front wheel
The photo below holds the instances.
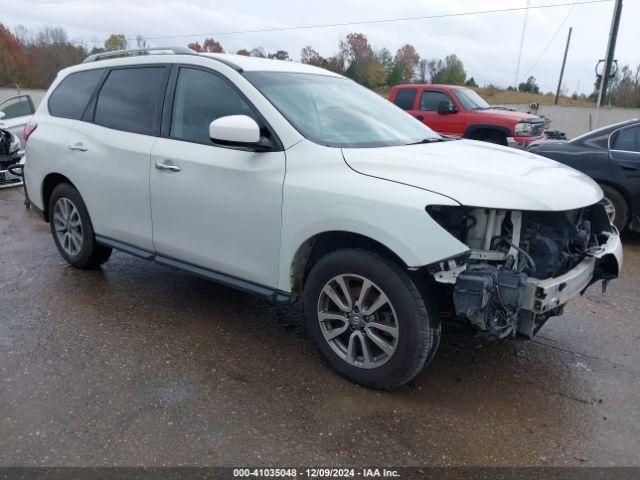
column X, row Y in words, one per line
column 72, row 229
column 369, row 319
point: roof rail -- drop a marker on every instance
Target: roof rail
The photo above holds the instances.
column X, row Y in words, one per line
column 133, row 52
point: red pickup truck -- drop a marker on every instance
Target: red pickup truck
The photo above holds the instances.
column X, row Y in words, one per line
column 459, row 111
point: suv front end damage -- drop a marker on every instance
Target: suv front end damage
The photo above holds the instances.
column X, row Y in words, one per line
column 524, row 266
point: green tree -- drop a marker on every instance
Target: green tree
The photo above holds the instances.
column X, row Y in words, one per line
column 450, row 72
column 115, row 42
column 531, row 85
column 471, row 83
column 395, row 76
column 280, row 55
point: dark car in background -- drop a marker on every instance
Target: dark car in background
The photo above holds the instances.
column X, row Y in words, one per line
column 611, row 156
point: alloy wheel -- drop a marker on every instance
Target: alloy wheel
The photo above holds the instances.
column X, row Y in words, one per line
column 610, row 208
column 358, row 321
column 68, row 226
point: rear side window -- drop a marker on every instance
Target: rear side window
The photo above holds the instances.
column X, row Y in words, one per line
column 431, row 99
column 200, row 98
column 131, row 100
column 626, row 140
column 70, row 98
column 405, row 98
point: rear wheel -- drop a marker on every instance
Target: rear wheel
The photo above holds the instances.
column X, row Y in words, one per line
column 616, row 206
column 72, row 229
column 369, row 319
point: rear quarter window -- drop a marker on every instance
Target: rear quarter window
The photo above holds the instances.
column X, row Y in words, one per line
column 70, row 98
column 405, row 98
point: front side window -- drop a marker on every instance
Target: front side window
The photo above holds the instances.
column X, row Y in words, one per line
column 337, row 112
column 131, row 100
column 626, row 140
column 405, row 98
column 70, row 98
column 17, row 107
column 200, row 98
column 430, row 100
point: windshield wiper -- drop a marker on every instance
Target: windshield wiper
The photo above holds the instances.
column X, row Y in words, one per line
column 430, row 140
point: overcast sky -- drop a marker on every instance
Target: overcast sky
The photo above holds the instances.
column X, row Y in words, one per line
column 487, row 44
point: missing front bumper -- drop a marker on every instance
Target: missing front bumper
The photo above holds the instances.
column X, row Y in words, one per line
column 542, row 296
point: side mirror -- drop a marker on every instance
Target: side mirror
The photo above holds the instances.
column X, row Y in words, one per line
column 445, row 107
column 2, row 114
column 238, row 131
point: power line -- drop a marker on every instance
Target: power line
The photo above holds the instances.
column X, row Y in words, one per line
column 544, row 50
column 57, row 5
column 364, row 22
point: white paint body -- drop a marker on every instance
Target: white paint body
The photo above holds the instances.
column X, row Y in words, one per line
column 246, row 214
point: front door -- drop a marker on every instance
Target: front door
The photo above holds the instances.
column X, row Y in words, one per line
column 215, row 207
column 445, row 123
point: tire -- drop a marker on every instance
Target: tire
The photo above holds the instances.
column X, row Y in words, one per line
column 495, row 137
column 408, row 322
column 616, row 205
column 72, row 229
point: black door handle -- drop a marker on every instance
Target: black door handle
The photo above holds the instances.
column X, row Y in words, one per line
column 629, row 167
column 419, row 117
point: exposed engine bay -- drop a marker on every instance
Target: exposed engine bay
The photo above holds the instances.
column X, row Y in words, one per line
column 522, row 266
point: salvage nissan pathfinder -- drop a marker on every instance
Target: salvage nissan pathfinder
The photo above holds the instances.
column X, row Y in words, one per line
column 294, row 182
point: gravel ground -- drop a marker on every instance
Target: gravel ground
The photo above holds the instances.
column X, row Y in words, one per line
column 138, row 364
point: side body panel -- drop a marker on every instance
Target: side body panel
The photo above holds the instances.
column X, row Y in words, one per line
column 322, row 194
column 221, row 211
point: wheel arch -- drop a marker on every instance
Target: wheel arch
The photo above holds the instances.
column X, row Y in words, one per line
column 50, row 182
column 322, row 243
column 486, row 127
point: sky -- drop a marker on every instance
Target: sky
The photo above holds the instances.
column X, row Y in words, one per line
column 488, row 44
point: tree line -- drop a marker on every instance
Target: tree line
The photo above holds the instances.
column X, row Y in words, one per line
column 31, row 59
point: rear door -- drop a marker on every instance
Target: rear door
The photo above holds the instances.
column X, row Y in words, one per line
column 446, row 123
column 110, row 150
column 625, row 154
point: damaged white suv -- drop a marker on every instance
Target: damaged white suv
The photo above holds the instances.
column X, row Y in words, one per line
column 293, row 182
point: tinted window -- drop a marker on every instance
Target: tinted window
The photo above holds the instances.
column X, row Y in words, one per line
column 626, row 140
column 200, row 98
column 131, row 100
column 70, row 98
column 16, row 107
column 430, row 100
column 405, row 98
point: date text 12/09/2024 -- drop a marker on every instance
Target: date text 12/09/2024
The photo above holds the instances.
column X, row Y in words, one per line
column 315, row 473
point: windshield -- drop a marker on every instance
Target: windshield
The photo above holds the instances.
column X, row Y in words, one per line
column 337, row 112
column 470, row 100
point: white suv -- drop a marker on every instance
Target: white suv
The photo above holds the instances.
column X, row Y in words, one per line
column 293, row 182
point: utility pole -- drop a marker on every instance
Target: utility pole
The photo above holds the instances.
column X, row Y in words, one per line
column 524, row 29
column 564, row 61
column 611, row 47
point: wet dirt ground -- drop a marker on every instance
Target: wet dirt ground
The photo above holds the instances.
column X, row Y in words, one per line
column 138, row 364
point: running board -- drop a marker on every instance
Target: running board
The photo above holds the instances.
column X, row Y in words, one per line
column 233, row 282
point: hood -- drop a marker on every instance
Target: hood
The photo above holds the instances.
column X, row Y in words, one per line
column 511, row 114
column 479, row 174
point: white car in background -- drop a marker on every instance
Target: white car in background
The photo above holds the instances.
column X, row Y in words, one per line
column 15, row 113
column 294, row 182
